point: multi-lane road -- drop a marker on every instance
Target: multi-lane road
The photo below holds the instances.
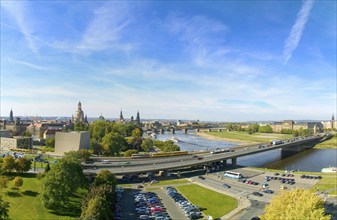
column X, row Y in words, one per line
column 125, row 166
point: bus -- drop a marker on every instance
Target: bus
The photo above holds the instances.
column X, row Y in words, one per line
column 233, row 175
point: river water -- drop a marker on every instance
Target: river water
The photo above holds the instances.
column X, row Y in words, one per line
column 309, row 160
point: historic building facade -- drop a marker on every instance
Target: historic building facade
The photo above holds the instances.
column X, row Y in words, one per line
column 79, row 115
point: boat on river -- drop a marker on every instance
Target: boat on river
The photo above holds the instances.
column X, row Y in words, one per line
column 329, row 170
column 174, row 139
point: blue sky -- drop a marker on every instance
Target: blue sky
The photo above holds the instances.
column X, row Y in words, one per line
column 220, row 60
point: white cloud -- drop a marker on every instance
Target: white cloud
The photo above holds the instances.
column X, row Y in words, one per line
column 297, row 29
column 105, row 29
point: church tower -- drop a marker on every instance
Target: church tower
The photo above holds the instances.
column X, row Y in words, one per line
column 137, row 118
column 79, row 115
column 11, row 118
column 121, row 118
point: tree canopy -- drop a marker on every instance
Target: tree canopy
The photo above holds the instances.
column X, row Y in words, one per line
column 61, row 181
column 9, row 163
column 23, row 164
column 105, row 177
column 294, row 205
column 4, row 206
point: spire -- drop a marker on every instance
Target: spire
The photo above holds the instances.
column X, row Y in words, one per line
column 11, row 118
column 138, row 118
column 333, row 117
column 79, row 105
column 121, row 118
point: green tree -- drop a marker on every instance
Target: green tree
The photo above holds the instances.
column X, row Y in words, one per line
column 50, row 142
column 80, row 126
column 8, row 163
column 98, row 203
column 252, row 128
column 266, row 129
column 105, row 177
column 166, row 146
column 113, row 143
column 95, row 146
column 128, row 153
column 79, row 155
column 286, row 131
column 136, row 132
column 147, row 144
column 4, row 209
column 61, row 181
column 3, row 183
column 97, row 130
column 135, row 143
column 46, row 170
column 23, row 164
column 18, row 182
column 295, row 133
column 295, row 204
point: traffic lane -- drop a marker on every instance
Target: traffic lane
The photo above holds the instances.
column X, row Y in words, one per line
column 131, row 162
column 237, row 189
column 128, row 206
column 256, row 209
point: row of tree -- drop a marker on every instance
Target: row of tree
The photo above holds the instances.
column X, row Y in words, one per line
column 111, row 138
column 10, row 164
column 99, row 202
column 67, row 176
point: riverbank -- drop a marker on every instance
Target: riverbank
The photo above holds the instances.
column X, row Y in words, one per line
column 330, row 144
column 211, row 137
column 243, row 138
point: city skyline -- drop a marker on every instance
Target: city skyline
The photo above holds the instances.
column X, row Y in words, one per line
column 219, row 61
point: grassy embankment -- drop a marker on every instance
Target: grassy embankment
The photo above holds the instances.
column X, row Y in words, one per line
column 332, row 143
column 26, row 203
column 213, row 203
column 244, row 136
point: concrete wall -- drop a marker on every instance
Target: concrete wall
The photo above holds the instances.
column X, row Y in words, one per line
column 16, row 142
column 71, row 141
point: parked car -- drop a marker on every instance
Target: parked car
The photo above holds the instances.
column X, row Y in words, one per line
column 257, row 194
column 201, row 177
column 226, row 186
column 269, row 191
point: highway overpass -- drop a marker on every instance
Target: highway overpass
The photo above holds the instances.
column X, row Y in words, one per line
column 128, row 166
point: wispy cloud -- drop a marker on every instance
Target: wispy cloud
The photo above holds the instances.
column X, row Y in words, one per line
column 18, row 10
column 104, row 30
column 297, row 29
column 202, row 37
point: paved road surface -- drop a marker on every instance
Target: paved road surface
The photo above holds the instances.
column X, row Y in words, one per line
column 128, row 206
column 174, row 211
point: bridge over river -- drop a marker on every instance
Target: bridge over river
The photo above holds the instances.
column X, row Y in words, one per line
column 128, row 166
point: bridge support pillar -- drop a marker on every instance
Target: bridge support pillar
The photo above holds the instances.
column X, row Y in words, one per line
column 185, row 130
column 234, row 161
column 173, row 131
column 197, row 130
column 162, row 131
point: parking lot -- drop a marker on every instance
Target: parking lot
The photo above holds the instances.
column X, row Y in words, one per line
column 275, row 184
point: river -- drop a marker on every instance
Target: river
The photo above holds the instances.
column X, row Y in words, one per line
column 310, row 160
